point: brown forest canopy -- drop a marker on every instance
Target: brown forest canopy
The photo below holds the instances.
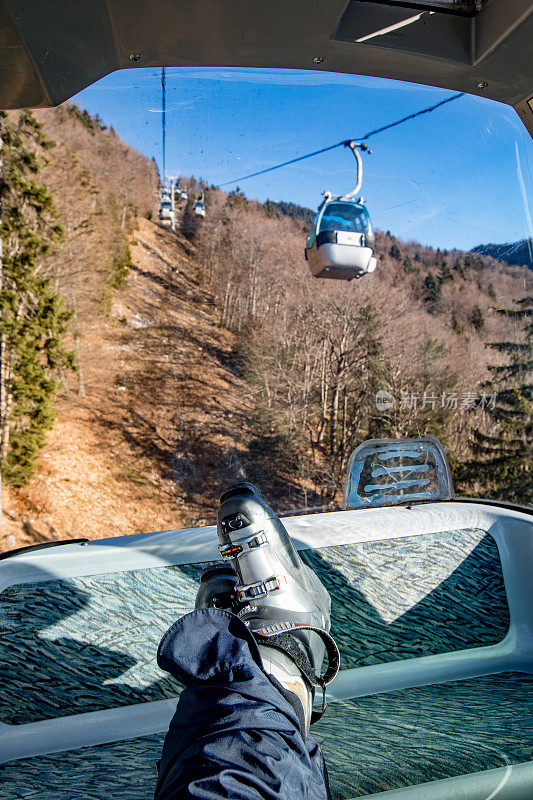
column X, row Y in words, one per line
column 318, row 351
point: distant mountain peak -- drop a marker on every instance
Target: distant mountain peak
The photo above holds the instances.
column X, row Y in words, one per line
column 514, row 253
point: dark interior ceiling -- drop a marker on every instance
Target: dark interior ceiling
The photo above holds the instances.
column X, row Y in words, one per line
column 51, row 49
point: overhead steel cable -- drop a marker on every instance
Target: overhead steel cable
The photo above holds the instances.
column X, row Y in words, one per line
column 345, row 142
column 284, row 164
column 412, row 116
column 164, row 123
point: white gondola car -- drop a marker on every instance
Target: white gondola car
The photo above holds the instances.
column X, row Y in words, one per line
column 166, row 212
column 340, row 242
column 199, row 209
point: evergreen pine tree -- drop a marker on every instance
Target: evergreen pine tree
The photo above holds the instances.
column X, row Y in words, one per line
column 408, row 265
column 33, row 319
column 473, row 261
column 395, row 252
column 456, row 325
column 476, row 318
column 432, row 287
column 190, row 223
column 503, row 461
column 445, row 273
column 459, row 268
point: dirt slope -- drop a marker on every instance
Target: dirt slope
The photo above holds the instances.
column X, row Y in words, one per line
column 160, row 385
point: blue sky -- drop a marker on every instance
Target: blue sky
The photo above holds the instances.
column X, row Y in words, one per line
column 454, row 178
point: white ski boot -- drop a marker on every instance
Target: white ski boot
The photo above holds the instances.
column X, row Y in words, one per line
column 281, row 600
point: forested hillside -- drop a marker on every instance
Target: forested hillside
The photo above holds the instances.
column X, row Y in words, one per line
column 317, row 352
column 210, row 353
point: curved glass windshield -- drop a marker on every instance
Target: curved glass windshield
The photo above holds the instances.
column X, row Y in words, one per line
column 199, row 350
column 345, row 217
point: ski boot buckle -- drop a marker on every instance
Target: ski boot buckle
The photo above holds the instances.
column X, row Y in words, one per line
column 252, row 591
column 252, row 542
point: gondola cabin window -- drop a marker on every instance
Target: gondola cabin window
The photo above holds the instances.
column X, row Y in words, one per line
column 345, row 217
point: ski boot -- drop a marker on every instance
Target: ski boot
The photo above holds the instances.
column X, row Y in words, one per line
column 281, row 600
column 217, row 587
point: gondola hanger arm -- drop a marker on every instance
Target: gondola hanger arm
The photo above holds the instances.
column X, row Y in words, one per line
column 355, row 147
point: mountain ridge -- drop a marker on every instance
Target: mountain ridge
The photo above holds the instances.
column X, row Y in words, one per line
column 518, row 253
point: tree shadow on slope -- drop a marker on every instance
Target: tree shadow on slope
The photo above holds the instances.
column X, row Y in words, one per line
column 195, row 458
column 277, row 463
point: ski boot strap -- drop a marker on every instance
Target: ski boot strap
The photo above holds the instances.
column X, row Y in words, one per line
column 279, row 635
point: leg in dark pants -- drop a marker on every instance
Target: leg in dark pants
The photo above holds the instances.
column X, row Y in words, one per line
column 234, row 734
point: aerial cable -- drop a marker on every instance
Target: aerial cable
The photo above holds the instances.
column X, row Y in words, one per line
column 284, row 164
column 345, row 142
column 412, row 116
column 163, row 122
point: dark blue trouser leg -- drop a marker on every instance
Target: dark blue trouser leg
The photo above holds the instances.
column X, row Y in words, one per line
column 234, row 735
